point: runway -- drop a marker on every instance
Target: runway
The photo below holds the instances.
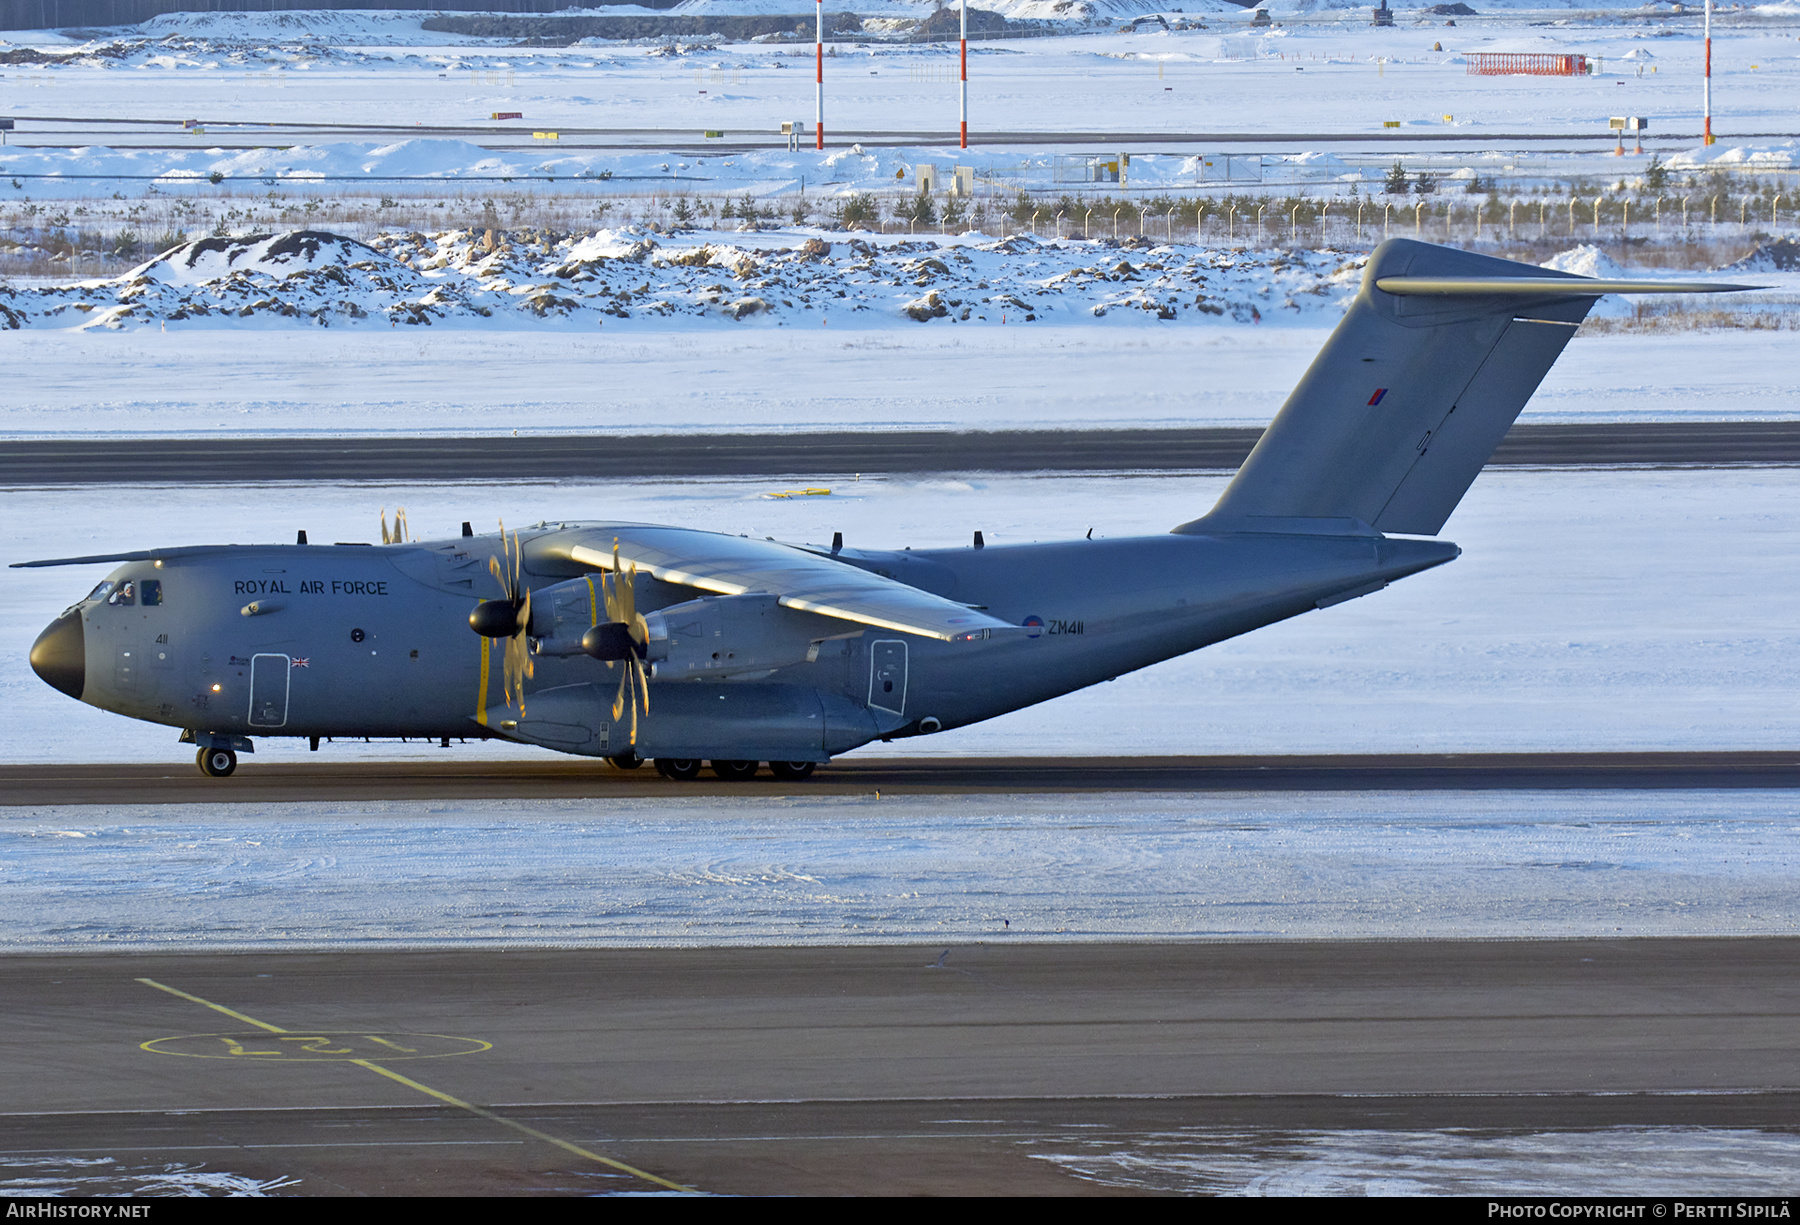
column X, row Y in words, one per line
column 36, row 462
column 984, row 1069
column 179, row 782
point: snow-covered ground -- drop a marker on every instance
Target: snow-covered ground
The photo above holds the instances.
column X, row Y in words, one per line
column 714, row 374
column 1616, row 1161
column 901, row 870
column 1590, row 610
column 1326, row 71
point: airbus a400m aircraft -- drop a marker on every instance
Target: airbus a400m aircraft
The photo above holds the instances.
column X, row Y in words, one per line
column 634, row 642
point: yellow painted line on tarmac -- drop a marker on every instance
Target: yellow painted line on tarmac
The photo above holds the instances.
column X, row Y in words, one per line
column 236, row 1016
column 533, row 1132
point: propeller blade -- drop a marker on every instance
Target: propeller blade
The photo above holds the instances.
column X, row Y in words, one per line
column 519, row 666
column 508, row 617
column 620, row 590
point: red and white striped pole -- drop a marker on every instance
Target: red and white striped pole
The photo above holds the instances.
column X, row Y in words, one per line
column 964, row 110
column 819, row 86
column 1707, row 88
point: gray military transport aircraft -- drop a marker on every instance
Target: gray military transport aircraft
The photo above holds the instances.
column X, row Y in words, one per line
column 633, row 642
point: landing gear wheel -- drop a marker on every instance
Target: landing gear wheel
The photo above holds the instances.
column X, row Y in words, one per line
column 734, row 771
column 678, row 768
column 792, row 771
column 216, row 763
column 628, row 760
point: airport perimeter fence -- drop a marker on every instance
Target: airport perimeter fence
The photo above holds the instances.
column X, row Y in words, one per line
column 97, row 237
column 1360, row 223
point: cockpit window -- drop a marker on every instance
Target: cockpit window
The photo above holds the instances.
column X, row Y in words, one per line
column 102, row 591
column 124, row 593
column 150, row 591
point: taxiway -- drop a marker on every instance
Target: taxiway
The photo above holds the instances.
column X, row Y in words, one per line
column 970, row 1069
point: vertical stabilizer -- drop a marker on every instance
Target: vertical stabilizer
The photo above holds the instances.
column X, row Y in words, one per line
column 1412, row 392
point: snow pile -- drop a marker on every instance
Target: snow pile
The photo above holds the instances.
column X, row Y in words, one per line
column 520, row 278
column 1782, row 255
column 1760, row 157
column 322, row 25
column 1409, row 13
column 211, row 260
column 183, row 51
column 1589, row 260
column 1586, row 260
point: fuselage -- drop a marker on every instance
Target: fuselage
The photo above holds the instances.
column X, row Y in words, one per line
column 348, row 640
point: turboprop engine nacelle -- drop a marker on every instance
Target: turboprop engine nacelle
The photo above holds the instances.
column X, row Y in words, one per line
column 726, row 636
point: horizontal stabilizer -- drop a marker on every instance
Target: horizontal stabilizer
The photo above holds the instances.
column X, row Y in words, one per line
column 1415, row 388
column 1539, row 286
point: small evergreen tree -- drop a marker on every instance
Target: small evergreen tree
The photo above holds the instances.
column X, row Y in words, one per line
column 919, row 210
column 856, row 209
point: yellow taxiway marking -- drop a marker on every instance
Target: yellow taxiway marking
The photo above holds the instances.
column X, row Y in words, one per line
column 533, row 1132
column 311, row 1046
column 236, row 1016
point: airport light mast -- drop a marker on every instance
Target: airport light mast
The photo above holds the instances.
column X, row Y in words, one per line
column 819, row 83
column 1706, row 89
column 963, row 110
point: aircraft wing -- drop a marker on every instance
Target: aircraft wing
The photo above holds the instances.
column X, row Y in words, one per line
column 801, row 580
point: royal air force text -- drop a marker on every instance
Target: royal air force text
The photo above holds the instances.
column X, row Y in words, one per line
column 312, row 586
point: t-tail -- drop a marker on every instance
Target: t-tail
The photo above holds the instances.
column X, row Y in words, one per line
column 1413, row 391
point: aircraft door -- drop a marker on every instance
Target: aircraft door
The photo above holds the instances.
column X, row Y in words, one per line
column 887, row 675
column 269, row 690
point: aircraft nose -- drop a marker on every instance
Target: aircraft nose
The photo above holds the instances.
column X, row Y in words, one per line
column 59, row 656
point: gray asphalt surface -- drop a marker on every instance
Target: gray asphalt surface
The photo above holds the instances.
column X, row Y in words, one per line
column 861, row 1070
column 179, row 782
column 35, row 462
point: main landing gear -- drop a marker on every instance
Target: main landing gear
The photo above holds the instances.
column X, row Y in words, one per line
column 216, row 763
column 683, row 769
